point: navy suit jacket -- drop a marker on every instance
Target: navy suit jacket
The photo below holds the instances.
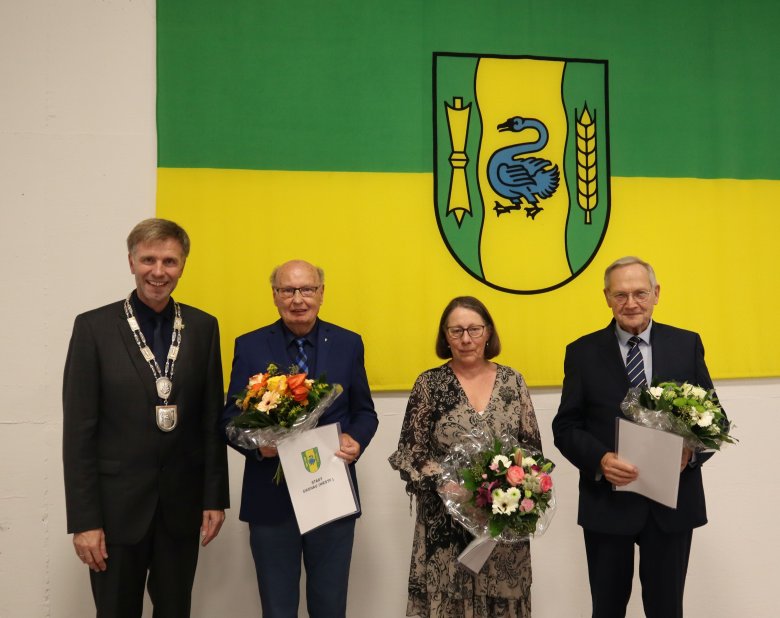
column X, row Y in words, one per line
column 119, row 467
column 594, row 384
column 339, row 356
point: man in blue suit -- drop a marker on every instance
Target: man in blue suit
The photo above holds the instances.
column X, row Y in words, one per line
column 299, row 337
column 596, row 379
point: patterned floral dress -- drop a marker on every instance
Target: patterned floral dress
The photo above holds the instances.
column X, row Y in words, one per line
column 437, row 416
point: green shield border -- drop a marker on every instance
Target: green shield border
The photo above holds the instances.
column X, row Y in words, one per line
column 463, row 238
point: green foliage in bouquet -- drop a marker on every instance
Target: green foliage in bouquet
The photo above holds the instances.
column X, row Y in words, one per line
column 693, row 411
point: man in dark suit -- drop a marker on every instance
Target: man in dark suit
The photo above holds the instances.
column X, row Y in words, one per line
column 145, row 467
column 597, row 377
column 299, row 337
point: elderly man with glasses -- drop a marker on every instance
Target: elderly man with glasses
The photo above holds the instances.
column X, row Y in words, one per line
column 317, row 347
column 598, row 371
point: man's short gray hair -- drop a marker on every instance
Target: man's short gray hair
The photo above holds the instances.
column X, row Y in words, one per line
column 627, row 261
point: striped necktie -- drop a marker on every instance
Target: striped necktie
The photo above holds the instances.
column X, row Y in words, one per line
column 635, row 364
column 301, row 359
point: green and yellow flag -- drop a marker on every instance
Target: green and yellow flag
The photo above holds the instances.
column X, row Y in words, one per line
column 509, row 150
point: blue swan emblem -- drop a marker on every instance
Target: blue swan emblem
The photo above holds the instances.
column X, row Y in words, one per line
column 531, row 178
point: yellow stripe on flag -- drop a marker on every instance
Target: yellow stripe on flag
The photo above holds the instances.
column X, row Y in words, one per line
column 714, row 244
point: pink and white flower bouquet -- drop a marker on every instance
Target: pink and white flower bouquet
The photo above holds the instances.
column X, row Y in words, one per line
column 494, row 486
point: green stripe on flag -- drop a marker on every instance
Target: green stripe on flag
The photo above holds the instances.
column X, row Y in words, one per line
column 346, row 85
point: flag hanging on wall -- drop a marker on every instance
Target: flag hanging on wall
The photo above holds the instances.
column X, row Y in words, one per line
column 419, row 151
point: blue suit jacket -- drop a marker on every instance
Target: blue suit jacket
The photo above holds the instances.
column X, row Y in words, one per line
column 339, row 355
column 594, row 384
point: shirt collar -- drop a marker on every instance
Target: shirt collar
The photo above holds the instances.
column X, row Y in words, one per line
column 624, row 336
column 145, row 313
column 310, row 337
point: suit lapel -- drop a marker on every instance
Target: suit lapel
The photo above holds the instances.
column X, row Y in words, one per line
column 610, row 352
column 278, row 348
column 659, row 338
column 324, row 344
column 141, row 366
column 184, row 357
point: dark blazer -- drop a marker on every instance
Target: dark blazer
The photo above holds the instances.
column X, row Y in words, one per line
column 118, row 465
column 594, row 384
column 339, row 356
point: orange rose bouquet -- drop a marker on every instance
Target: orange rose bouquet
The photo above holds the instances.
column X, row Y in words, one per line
column 277, row 405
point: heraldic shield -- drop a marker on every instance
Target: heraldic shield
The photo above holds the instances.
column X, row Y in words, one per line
column 311, row 459
column 521, row 152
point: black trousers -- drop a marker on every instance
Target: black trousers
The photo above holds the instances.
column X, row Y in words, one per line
column 663, row 564
column 164, row 563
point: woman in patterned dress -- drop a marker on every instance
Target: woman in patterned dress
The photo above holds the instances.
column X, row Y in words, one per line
column 447, row 402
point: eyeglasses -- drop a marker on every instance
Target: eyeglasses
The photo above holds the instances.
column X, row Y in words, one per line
column 456, row 332
column 621, row 298
column 307, row 291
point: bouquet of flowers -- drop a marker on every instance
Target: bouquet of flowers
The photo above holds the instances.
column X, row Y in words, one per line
column 682, row 409
column 278, row 405
column 492, row 485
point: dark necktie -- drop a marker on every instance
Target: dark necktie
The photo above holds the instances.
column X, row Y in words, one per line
column 635, row 364
column 301, row 359
column 158, row 345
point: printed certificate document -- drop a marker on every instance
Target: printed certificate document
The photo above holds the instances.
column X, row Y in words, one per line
column 319, row 482
column 657, row 455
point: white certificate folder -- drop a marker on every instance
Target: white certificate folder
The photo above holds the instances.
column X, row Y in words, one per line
column 319, row 482
column 657, row 455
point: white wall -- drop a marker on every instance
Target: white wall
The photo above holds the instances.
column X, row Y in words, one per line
column 77, row 170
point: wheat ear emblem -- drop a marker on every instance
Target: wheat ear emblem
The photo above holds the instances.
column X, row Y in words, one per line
column 587, row 183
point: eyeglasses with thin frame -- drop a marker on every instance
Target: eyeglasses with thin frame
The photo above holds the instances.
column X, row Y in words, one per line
column 307, row 291
column 456, row 332
column 640, row 296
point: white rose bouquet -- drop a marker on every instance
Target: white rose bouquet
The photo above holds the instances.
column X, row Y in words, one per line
column 683, row 409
